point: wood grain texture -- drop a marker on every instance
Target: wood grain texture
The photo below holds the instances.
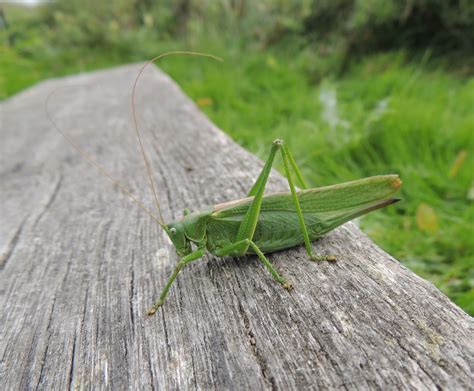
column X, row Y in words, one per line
column 80, row 264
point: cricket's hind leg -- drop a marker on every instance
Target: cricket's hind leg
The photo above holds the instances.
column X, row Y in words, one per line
column 287, row 162
column 259, row 186
column 240, row 248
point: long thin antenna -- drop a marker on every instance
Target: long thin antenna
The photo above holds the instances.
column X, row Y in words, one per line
column 145, row 159
column 97, row 165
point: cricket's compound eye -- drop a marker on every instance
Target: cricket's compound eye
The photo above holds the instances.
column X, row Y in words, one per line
column 173, row 231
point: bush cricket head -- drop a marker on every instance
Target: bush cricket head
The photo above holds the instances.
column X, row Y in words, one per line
column 177, row 235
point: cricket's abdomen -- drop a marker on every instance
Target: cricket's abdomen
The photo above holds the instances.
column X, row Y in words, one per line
column 274, row 231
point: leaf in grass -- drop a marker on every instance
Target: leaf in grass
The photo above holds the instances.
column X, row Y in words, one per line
column 470, row 192
column 201, row 102
column 460, row 157
column 426, row 218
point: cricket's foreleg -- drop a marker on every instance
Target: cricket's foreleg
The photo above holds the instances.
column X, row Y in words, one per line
column 287, row 161
column 181, row 264
column 240, row 248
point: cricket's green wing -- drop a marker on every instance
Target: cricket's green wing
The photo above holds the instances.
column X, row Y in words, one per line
column 323, row 209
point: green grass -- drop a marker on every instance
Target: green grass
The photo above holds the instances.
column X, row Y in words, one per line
column 387, row 114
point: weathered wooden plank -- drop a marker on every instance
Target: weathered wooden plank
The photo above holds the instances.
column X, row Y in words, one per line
column 80, row 264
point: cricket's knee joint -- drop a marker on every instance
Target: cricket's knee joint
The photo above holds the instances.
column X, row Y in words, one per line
column 278, row 142
column 241, row 247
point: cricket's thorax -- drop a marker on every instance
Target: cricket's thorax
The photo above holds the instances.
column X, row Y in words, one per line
column 190, row 229
column 195, row 226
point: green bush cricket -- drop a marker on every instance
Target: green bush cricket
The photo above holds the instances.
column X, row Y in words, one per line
column 260, row 223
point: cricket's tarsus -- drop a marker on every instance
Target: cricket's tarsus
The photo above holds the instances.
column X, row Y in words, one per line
column 318, row 258
column 258, row 224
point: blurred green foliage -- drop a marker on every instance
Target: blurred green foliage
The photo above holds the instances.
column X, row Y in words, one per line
column 357, row 88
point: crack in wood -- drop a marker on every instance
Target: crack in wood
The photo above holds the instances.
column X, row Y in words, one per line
column 131, row 296
column 150, row 368
column 71, row 367
column 417, row 362
column 252, row 341
column 11, row 245
column 45, row 354
column 50, row 200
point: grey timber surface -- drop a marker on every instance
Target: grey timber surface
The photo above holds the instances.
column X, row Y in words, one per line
column 80, row 264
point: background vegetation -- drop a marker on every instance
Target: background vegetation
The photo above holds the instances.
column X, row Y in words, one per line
column 356, row 87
